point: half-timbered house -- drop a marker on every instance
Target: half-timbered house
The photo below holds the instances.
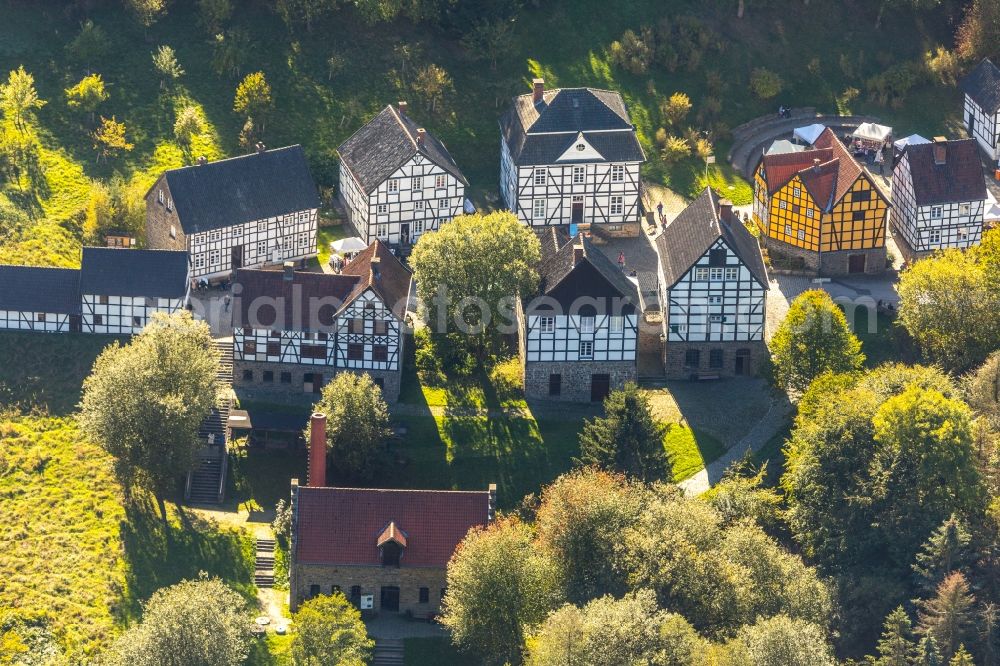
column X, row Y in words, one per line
column 397, row 180
column 938, row 196
column 714, row 290
column 121, row 289
column 241, row 212
column 294, row 330
column 571, row 156
column 981, row 109
column 578, row 334
column 33, row 298
column 822, row 208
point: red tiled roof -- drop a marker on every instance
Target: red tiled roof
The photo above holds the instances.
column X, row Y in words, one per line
column 342, row 526
column 393, row 282
column 848, row 168
column 781, row 167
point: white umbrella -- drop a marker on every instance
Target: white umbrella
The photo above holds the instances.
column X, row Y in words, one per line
column 349, row 244
column 809, row 133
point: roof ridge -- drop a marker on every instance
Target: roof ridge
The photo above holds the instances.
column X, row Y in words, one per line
column 396, row 490
column 230, row 159
column 399, row 119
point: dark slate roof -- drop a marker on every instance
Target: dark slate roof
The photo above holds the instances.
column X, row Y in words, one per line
column 341, row 526
column 982, row 84
column 109, row 271
column 387, row 142
column 692, row 233
column 35, row 289
column 242, row 189
column 556, row 267
column 599, row 114
column 959, row 179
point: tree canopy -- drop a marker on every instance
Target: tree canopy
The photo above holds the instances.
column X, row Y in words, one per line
column 329, row 630
column 357, row 426
column 627, row 438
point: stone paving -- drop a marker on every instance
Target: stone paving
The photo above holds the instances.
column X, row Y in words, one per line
column 395, row 626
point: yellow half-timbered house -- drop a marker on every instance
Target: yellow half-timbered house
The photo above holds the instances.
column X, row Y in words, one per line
column 820, row 205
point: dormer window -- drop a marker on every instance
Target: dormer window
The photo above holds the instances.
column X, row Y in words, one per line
column 391, row 544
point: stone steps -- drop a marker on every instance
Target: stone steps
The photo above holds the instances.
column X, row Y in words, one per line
column 388, row 652
column 263, row 575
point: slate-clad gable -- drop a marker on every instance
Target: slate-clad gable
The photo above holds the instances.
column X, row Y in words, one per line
column 982, row 84
column 959, row 179
column 40, row 289
column 242, row 189
column 387, row 142
column 127, row 272
column 595, row 275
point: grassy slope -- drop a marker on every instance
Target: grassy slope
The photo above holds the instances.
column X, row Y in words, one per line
column 562, row 41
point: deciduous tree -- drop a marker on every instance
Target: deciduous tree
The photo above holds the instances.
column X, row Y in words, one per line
column 432, row 83
column 676, row 108
column 109, row 138
column 165, row 62
column 213, row 14
column 765, row 84
column 357, row 425
column 627, row 438
column 229, row 51
column 253, row 98
column 187, row 126
column 781, row 641
column 146, row 12
column 87, row 95
column 329, row 630
column 89, row 45
column 303, row 12
column 18, row 96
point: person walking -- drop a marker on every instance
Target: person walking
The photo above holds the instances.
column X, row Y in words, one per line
column 621, row 261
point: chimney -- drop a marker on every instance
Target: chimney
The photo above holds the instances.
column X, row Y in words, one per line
column 538, row 89
column 725, row 209
column 491, row 511
column 940, row 150
column 816, row 163
column 289, row 268
column 577, row 254
column 421, row 133
column 401, row 107
column 260, row 148
column 317, row 450
column 202, row 160
column 376, row 265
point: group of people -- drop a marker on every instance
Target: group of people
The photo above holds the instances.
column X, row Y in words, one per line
column 784, row 111
column 873, row 152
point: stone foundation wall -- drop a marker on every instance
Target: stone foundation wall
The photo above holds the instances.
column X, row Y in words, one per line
column 258, row 387
column 371, row 580
column 830, row 263
column 677, row 353
column 576, row 377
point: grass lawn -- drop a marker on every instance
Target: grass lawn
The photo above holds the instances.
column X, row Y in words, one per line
column 431, row 652
column 689, row 450
column 560, row 40
column 880, row 344
column 325, row 236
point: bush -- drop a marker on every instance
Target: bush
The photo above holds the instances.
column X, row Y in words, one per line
column 438, row 357
column 765, row 84
column 634, row 52
column 282, row 525
column 506, row 378
column 675, row 149
column 891, row 86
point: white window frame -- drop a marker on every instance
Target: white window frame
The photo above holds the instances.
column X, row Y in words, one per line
column 962, row 233
column 382, row 231
column 715, row 300
column 546, row 324
column 579, row 175
column 937, row 212
column 214, row 257
column 418, row 205
column 715, row 274
column 159, row 196
column 440, row 181
column 541, row 176
column 801, row 234
column 732, row 273
column 782, row 204
column 796, row 191
column 716, row 318
column 616, row 324
column 261, row 248
column 587, row 324
column 393, row 185
column 444, row 203
column 382, row 209
column 934, row 236
column 788, row 230
column 262, row 226
column 199, row 260
column 617, row 206
column 964, row 209
column 538, row 209
column 809, row 213
column 586, row 349
column 701, row 274
column 617, row 173
column 418, row 226
column 417, row 183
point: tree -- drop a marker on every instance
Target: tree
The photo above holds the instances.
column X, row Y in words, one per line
column 945, row 551
column 198, row 622
column 18, row 96
column 896, row 647
column 329, row 630
column 579, row 524
column 489, row 39
column 87, row 95
column 982, row 391
column 113, row 204
column 979, row 33
column 229, row 51
column 675, row 109
column 432, row 83
column 610, row 632
column 947, row 305
column 90, row 44
column 988, row 628
column 188, row 125
column 634, row 52
column 357, row 426
column 813, row 338
column 109, row 138
column 920, row 5
column 469, row 272
column 627, row 438
column 165, row 62
column 928, row 652
column 146, row 12
column 765, row 84
column 213, row 14
column 675, row 148
column 784, row 641
column 961, row 658
column 253, row 97
column 296, row 12
column 947, row 616
column 499, row 587
column 144, row 402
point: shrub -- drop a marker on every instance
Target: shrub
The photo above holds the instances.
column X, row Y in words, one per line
column 676, row 108
column 765, row 84
column 634, row 52
column 675, row 149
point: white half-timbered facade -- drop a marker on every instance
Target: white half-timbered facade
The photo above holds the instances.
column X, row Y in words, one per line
column 715, row 289
column 570, row 156
column 579, row 334
column 397, row 181
column 39, row 299
column 247, row 211
column 295, row 330
column 938, row 195
column 981, row 107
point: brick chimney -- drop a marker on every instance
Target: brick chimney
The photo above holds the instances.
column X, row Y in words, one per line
column 725, row 209
column 317, row 450
column 538, row 89
column 421, row 133
column 816, row 163
column 577, row 254
column 940, row 150
column 491, row 511
column 401, row 107
column 289, row 269
column 260, row 148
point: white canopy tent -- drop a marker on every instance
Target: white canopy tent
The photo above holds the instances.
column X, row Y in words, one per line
column 784, row 146
column 872, row 132
column 991, row 211
column 349, row 244
column 912, row 140
column 809, row 133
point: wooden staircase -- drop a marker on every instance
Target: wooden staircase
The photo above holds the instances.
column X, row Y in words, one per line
column 388, row 652
column 205, row 482
column 263, row 574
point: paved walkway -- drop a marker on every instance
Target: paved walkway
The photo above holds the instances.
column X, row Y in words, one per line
column 762, row 432
column 396, row 626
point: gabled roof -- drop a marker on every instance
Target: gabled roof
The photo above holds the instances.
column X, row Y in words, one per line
column 387, row 142
column 39, row 289
column 696, row 229
column 959, row 179
column 391, row 280
column 982, row 84
column 242, row 189
column 559, row 266
column 342, row 526
column 779, row 168
column 391, row 533
column 109, row 271
column 541, row 133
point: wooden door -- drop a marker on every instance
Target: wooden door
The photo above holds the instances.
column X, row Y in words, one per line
column 389, row 601
column 236, row 257
column 577, row 210
column 742, row 362
column 856, row 263
column 600, row 386
column 317, row 382
column 404, row 233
